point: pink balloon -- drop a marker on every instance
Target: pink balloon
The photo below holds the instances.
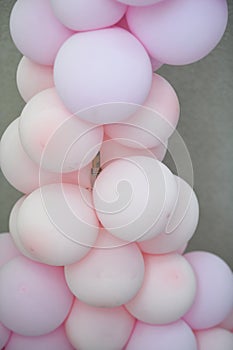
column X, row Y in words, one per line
column 139, row 2
column 56, row 224
column 98, row 328
column 182, row 223
column 110, row 275
column 113, row 56
column 172, row 31
column 214, row 339
column 53, row 138
column 4, row 335
column 33, row 78
column 168, row 290
column 34, row 298
column 83, row 15
column 53, row 341
column 228, row 322
column 154, row 122
column 214, row 298
column 8, row 249
column 36, row 31
column 175, row 336
column 134, row 197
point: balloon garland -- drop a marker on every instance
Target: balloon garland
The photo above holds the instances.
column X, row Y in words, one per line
column 94, row 258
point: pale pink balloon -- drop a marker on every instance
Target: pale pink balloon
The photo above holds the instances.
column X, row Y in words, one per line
column 56, row 224
column 33, row 78
column 98, row 328
column 228, row 322
column 214, row 297
column 36, row 31
column 175, row 336
column 4, row 336
column 117, row 68
column 214, row 339
column 55, row 139
column 168, row 290
column 8, row 249
column 134, row 197
column 53, row 341
column 34, row 298
column 139, row 2
column 110, row 275
column 82, row 15
column 154, row 122
column 20, row 170
column 172, row 31
column 182, row 223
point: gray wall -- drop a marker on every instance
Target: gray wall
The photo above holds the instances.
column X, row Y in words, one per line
column 205, row 91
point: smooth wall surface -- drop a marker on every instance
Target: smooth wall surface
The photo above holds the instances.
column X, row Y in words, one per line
column 205, row 90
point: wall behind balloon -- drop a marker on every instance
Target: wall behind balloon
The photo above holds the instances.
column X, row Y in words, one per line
column 205, row 91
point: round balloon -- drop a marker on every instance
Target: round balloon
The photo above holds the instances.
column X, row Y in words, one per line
column 172, row 31
column 83, row 15
column 168, row 290
column 35, row 38
column 214, row 339
column 214, row 298
column 33, row 78
column 228, row 322
column 176, row 336
column 4, row 335
column 103, row 75
column 8, row 249
column 98, row 328
column 134, row 197
column 154, row 122
column 34, row 298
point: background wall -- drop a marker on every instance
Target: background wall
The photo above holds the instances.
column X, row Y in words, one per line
column 205, row 90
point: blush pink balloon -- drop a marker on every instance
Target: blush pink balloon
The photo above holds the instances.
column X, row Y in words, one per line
column 110, row 275
column 172, row 31
column 53, row 341
column 214, row 339
column 228, row 322
column 214, row 298
column 175, row 336
column 182, row 223
column 168, row 290
column 56, row 224
column 55, row 139
column 139, row 2
column 8, row 249
column 34, row 298
column 134, row 197
column 120, row 61
column 4, row 335
column 33, row 78
column 154, row 122
column 37, row 39
column 81, row 15
column 98, row 328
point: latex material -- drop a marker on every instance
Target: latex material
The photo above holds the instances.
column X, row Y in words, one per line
column 214, row 339
column 4, row 335
column 8, row 250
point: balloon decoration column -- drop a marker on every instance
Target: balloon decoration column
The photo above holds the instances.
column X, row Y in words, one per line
column 94, row 258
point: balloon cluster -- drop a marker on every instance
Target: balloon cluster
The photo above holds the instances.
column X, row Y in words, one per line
column 98, row 262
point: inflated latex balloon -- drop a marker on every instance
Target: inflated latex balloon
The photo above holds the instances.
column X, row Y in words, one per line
column 179, row 31
column 228, row 322
column 56, row 224
column 20, row 170
column 154, row 122
column 98, row 328
column 182, row 223
column 83, row 15
column 117, row 68
column 8, row 249
column 214, row 298
column 53, row 341
column 53, row 138
column 36, row 31
column 134, row 197
column 110, row 275
column 4, row 335
column 34, row 298
column 32, row 78
column 168, row 290
column 214, row 339
column 139, row 2
column 175, row 336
